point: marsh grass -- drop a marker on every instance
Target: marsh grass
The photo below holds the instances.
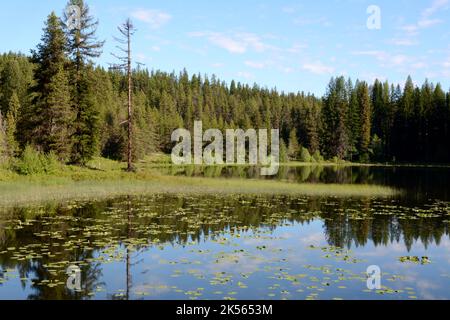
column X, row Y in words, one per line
column 58, row 189
column 103, row 178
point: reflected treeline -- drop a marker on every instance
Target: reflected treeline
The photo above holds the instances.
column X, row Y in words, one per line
column 418, row 183
column 140, row 222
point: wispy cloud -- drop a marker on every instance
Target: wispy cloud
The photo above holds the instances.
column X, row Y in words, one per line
column 236, row 43
column 446, row 64
column 323, row 21
column 435, row 7
column 318, row 68
column 297, row 48
column 386, row 59
column 426, row 19
column 245, row 75
column 154, row 18
column 405, row 42
column 256, row 64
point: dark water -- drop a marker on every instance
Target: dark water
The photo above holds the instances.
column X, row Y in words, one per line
column 231, row 247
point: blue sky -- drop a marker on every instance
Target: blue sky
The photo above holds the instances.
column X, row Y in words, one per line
column 291, row 45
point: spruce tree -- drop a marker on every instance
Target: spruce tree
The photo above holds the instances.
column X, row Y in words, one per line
column 3, row 141
column 366, row 120
column 294, row 147
column 51, row 115
column 11, row 125
column 82, row 46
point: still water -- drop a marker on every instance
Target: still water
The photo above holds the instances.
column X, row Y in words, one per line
column 238, row 247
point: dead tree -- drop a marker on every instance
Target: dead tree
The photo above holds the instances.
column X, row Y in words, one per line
column 127, row 30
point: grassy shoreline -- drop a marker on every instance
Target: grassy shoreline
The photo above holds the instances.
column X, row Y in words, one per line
column 33, row 192
column 107, row 179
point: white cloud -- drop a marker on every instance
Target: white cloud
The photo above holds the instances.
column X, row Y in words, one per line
column 318, row 68
column 245, row 75
column 255, row 64
column 323, row 21
column 426, row 23
column 289, row 9
column 446, row 64
column 435, row 6
column 379, row 55
column 154, row 18
column 297, row 48
column 404, row 42
column 386, row 59
column 426, row 20
column 236, row 43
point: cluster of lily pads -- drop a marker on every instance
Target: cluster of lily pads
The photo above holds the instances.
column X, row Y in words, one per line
column 228, row 247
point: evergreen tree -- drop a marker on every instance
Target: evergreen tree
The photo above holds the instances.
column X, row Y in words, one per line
column 51, row 115
column 294, row 147
column 85, row 136
column 82, row 46
column 366, row 120
column 335, row 113
column 3, row 141
column 11, row 125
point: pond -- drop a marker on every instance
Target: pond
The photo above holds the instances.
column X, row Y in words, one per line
column 238, row 247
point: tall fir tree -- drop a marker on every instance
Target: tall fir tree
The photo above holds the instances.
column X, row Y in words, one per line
column 366, row 120
column 83, row 46
column 294, row 146
column 51, row 115
column 11, row 125
column 3, row 141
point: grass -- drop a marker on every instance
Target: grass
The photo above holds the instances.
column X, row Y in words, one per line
column 106, row 179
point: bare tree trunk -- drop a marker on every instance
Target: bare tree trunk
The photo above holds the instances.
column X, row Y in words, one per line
column 127, row 30
column 130, row 107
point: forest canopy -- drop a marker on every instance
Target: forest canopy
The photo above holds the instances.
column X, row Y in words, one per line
column 58, row 101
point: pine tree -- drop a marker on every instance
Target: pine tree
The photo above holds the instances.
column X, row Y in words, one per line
column 52, row 115
column 366, row 120
column 82, row 41
column 294, row 147
column 3, row 141
column 82, row 46
column 11, row 125
column 335, row 113
column 85, row 136
column 9, row 83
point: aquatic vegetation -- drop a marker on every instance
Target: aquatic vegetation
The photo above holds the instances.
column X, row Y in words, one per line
column 212, row 246
column 415, row 260
column 17, row 193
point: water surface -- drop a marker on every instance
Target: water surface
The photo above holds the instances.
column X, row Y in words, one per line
column 238, row 247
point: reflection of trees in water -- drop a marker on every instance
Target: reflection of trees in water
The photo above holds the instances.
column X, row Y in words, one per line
column 180, row 220
column 421, row 183
column 36, row 270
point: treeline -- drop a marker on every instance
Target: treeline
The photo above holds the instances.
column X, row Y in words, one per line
column 56, row 101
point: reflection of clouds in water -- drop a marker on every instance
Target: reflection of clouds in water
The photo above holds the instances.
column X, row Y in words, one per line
column 424, row 287
column 246, row 264
column 313, row 239
column 383, row 251
column 152, row 285
column 445, row 244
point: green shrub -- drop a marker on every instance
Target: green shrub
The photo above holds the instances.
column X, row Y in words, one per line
column 33, row 162
column 305, row 156
column 51, row 163
column 317, row 156
column 283, row 152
